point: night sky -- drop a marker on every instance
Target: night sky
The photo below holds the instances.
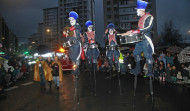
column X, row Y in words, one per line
column 176, row 10
column 23, row 16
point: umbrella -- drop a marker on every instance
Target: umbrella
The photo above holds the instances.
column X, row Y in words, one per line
column 184, row 55
column 174, row 49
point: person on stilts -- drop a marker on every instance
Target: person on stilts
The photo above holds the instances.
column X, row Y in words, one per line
column 145, row 25
column 112, row 52
column 92, row 52
column 73, row 41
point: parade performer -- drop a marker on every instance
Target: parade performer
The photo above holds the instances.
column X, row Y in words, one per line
column 73, row 37
column 40, row 72
column 112, row 49
column 92, row 52
column 57, row 71
column 49, row 70
column 145, row 25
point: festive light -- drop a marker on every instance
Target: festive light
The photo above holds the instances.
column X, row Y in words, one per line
column 62, row 50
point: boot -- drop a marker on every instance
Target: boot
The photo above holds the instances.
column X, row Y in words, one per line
column 137, row 68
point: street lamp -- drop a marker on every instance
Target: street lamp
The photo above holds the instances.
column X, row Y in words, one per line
column 189, row 31
column 48, row 30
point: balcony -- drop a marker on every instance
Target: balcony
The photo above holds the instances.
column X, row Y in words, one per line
column 130, row 20
column 124, row 6
column 127, row 13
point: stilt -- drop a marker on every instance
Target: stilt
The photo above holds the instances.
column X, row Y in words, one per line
column 119, row 83
column 151, row 89
column 135, row 86
column 90, row 81
column 94, row 83
column 109, row 81
column 76, row 96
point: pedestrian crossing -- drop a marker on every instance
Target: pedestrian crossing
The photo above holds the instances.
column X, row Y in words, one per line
column 15, row 87
column 11, row 88
column 25, row 84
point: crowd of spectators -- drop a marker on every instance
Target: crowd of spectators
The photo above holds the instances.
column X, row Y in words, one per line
column 166, row 67
column 12, row 70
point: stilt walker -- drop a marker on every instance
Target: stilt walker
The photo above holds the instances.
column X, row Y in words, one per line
column 145, row 25
column 112, row 52
column 73, row 41
column 92, row 53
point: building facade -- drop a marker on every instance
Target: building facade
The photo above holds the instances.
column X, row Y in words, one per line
column 8, row 39
column 111, row 12
column 41, row 38
column 122, row 13
column 50, row 27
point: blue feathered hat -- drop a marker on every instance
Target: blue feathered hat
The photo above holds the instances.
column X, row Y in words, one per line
column 88, row 23
column 73, row 14
column 111, row 26
column 141, row 4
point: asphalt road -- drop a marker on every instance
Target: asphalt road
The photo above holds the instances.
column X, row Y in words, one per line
column 26, row 95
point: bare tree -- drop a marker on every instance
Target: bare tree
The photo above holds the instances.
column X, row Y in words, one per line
column 170, row 34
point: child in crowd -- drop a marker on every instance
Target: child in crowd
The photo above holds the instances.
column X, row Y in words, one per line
column 174, row 74
column 161, row 71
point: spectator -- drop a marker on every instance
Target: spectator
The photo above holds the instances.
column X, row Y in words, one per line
column 169, row 59
column 57, row 72
column 24, row 68
column 184, row 73
column 179, row 76
column 16, row 73
column 131, row 60
column 188, row 70
column 161, row 71
column 49, row 70
column 176, row 62
column 174, row 73
column 168, row 73
column 105, row 65
column 8, row 73
column 142, row 62
column 100, row 62
column 40, row 72
column 2, row 76
column 145, row 69
column 155, row 69
column 161, row 58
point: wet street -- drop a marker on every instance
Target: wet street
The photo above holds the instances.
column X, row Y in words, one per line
column 26, row 95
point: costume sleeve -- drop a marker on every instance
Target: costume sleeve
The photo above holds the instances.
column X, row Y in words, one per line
column 117, row 39
column 148, row 20
column 78, row 31
column 85, row 38
column 106, row 38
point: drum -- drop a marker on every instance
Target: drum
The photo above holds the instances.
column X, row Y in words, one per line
column 92, row 46
column 69, row 43
column 131, row 38
column 112, row 47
